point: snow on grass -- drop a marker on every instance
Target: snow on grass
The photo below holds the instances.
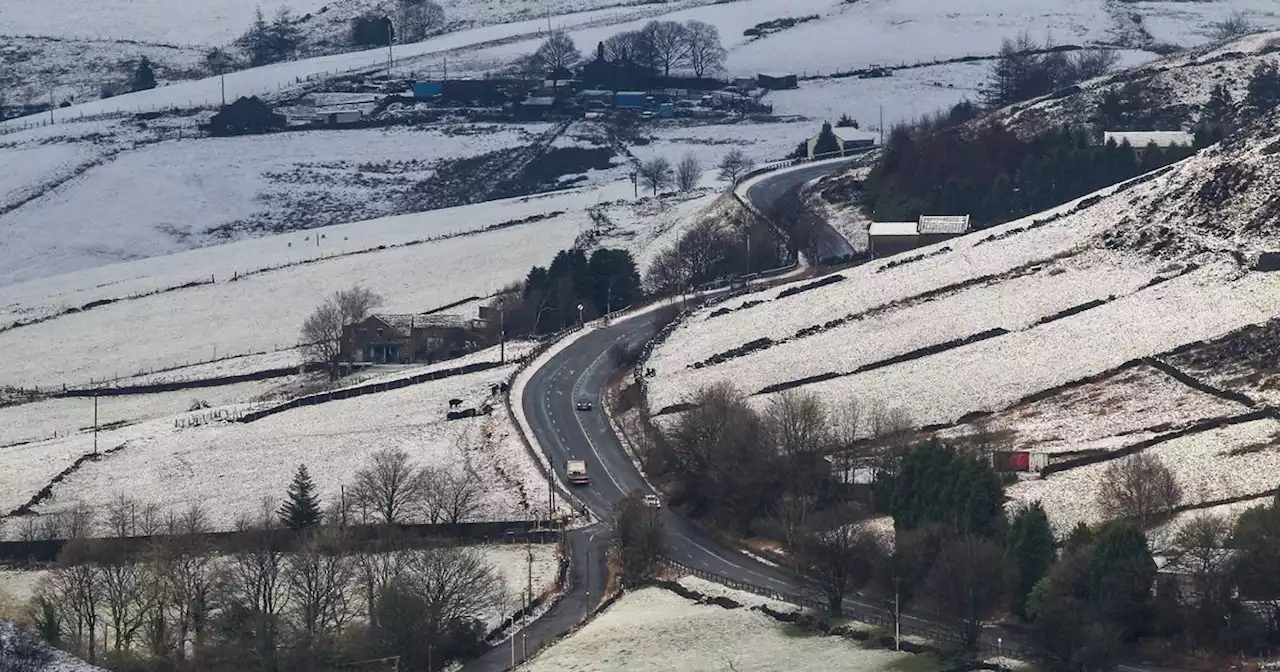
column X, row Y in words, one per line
column 1104, row 414
column 1202, row 463
column 264, row 312
column 1192, row 23
column 197, row 185
column 40, row 165
column 906, row 96
column 44, row 419
column 229, row 467
column 648, row 226
column 654, row 629
column 993, row 374
column 763, row 142
column 1013, row 304
column 19, row 584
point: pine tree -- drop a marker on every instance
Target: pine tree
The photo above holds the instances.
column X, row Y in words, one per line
column 256, row 42
column 301, row 508
column 1220, row 106
column 1030, row 551
column 144, row 77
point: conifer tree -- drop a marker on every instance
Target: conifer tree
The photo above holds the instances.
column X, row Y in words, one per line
column 144, row 77
column 301, row 508
column 1030, row 551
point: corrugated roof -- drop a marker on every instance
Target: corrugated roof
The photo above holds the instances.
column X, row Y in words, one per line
column 1140, row 139
column 892, row 229
column 404, row 324
column 943, row 224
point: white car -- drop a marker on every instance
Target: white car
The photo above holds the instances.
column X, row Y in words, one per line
column 652, row 501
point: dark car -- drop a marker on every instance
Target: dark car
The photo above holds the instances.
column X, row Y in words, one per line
column 583, row 405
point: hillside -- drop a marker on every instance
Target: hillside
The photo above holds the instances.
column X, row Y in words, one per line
column 981, row 326
column 1168, row 94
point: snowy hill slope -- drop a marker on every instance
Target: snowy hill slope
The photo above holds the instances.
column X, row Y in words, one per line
column 1172, row 90
column 979, row 323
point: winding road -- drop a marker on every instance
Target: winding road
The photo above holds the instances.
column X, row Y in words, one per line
column 579, row 372
column 827, row 242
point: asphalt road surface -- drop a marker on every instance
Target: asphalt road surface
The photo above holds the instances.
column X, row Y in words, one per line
column 828, row 242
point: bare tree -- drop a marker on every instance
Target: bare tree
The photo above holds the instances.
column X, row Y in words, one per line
column 688, row 172
column 838, row 553
column 847, row 423
column 184, row 569
column 75, row 589
column 1235, row 25
column 80, row 521
column 967, row 583
column 1091, row 63
column 123, row 515
column 735, row 164
column 557, row 51
column 150, row 520
column 655, row 174
column 322, row 330
column 391, row 487
column 623, row 47
column 253, row 574
column 669, row 45
column 703, row 51
column 128, row 597
column 318, row 582
column 418, row 19
column 456, row 496
column 638, row 537
column 1138, row 487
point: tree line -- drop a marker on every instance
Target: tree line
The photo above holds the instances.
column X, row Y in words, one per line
column 813, row 477
column 269, row 604
column 992, row 174
column 657, row 48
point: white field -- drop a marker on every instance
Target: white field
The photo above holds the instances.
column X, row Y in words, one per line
column 195, row 185
column 41, row 165
column 229, row 467
column 907, row 95
column 654, row 629
column 763, row 142
column 56, row 417
column 1106, row 414
column 1201, row 463
column 264, row 312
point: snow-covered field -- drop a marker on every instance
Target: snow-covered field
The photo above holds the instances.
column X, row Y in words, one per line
column 655, row 629
column 229, row 467
column 248, row 184
column 1105, row 414
column 1203, row 464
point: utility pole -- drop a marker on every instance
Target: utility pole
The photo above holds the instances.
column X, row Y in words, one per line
column 882, row 125
column 502, row 332
column 390, row 39
column 51, row 105
column 95, row 424
column 897, row 616
column 635, row 185
column 586, row 604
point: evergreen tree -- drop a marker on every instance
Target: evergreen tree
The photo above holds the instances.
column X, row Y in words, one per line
column 1080, row 537
column 1121, row 571
column 283, row 36
column 1264, row 90
column 936, row 484
column 827, row 141
column 1031, row 552
column 256, row 42
column 301, row 508
column 1220, row 107
column 144, row 77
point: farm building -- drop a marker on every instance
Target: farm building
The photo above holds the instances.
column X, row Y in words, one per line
column 889, row 238
column 777, row 82
column 402, row 339
column 847, row 139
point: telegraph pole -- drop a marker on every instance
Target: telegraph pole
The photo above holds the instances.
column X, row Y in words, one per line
column 95, row 424
column 390, row 39
column 897, row 617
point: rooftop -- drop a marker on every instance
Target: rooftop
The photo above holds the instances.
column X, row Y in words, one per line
column 892, row 229
column 936, row 224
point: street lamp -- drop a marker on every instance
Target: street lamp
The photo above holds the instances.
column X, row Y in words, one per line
column 580, row 322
